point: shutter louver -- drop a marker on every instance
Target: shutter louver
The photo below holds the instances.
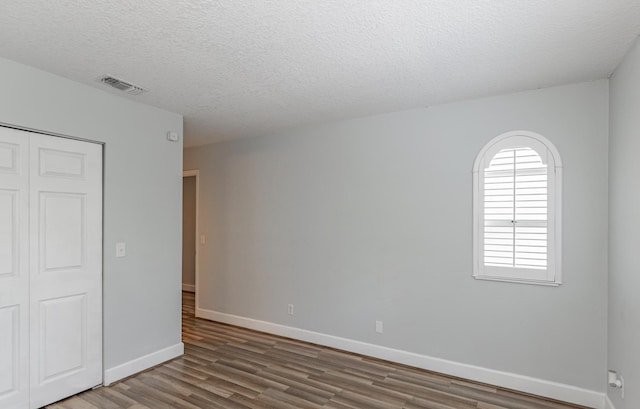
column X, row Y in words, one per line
column 515, row 210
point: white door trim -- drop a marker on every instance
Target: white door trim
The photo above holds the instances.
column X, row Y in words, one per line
column 57, row 135
column 196, row 173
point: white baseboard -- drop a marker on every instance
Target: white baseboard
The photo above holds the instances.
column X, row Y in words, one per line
column 189, row 287
column 140, row 364
column 541, row 387
column 607, row 403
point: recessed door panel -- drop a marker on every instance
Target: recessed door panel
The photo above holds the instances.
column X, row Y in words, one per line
column 9, row 157
column 62, row 216
column 9, row 261
column 56, row 163
column 63, row 336
column 9, row 350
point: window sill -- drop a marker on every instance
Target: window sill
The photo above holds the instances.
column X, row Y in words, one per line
column 519, row 281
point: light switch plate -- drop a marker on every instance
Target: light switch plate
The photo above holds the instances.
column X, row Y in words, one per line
column 121, row 249
column 379, row 329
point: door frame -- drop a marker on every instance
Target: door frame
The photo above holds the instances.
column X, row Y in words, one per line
column 196, row 173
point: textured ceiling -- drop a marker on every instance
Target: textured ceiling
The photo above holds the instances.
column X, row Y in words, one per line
column 245, row 67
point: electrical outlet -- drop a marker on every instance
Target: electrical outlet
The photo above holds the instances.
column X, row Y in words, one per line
column 379, row 328
column 290, row 309
column 616, row 381
column 121, row 249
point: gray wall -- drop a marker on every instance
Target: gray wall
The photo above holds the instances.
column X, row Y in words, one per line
column 189, row 230
column 142, row 206
column 370, row 219
column 624, row 235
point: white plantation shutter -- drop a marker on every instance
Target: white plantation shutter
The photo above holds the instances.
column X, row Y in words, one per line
column 516, row 210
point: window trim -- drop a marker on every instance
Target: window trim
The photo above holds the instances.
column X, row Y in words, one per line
column 554, row 207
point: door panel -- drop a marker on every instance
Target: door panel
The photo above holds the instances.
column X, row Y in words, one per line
column 9, row 349
column 54, row 163
column 63, row 336
column 10, row 152
column 66, row 268
column 62, row 227
column 9, row 260
column 14, row 269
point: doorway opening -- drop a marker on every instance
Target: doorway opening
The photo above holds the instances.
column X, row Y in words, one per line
column 190, row 234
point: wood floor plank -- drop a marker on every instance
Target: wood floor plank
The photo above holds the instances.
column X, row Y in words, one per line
column 100, row 401
column 226, row 367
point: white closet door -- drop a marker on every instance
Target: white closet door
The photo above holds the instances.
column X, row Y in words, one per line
column 14, row 269
column 66, row 268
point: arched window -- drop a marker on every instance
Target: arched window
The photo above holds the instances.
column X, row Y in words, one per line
column 517, row 180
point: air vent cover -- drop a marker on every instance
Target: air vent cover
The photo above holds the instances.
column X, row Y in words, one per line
column 121, row 85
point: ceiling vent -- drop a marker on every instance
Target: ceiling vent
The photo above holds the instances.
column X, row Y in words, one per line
column 121, row 85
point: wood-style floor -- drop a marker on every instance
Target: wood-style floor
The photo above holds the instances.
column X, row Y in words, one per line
column 229, row 367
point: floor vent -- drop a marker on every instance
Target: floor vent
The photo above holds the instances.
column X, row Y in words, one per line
column 121, row 85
